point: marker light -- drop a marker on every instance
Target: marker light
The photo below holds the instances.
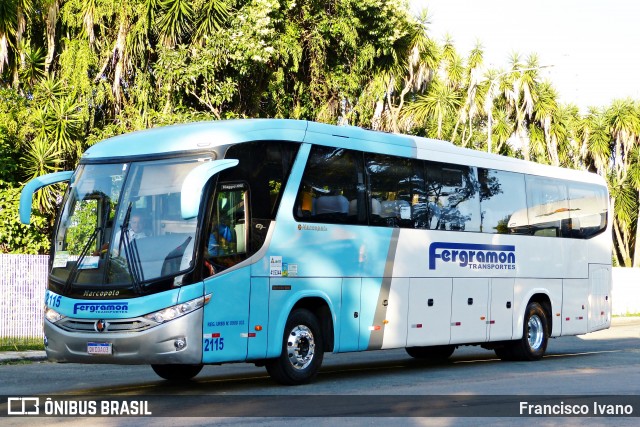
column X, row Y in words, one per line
column 173, row 312
column 52, row 315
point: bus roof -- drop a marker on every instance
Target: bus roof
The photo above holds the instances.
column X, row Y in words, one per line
column 203, row 136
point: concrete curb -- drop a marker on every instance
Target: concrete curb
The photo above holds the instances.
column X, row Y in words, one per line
column 17, row 356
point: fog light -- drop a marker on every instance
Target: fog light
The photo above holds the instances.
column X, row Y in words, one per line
column 180, row 343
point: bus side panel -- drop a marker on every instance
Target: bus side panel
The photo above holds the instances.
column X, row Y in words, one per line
column 285, row 292
column 226, row 317
column 395, row 320
column 349, row 327
column 375, row 290
column 469, row 310
column 429, row 312
column 599, row 297
column 575, row 297
column 258, row 316
column 501, row 310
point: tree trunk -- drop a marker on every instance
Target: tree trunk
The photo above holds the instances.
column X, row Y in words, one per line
column 51, row 20
column 626, row 258
column 119, row 56
column 4, row 51
column 20, row 29
column 636, row 249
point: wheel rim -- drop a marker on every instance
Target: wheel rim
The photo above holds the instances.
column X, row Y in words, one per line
column 300, row 347
column 536, row 332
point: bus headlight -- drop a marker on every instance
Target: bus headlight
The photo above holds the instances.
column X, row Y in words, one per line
column 51, row 315
column 173, row 312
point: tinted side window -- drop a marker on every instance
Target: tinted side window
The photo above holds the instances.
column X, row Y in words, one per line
column 265, row 166
column 332, row 188
column 587, row 209
column 503, row 202
column 548, row 207
column 452, row 193
column 392, row 194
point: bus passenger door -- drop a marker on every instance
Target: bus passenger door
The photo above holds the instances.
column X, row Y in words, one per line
column 226, row 317
column 469, row 310
column 500, row 319
column 429, row 312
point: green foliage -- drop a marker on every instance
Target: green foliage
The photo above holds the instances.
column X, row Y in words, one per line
column 16, row 237
column 102, row 68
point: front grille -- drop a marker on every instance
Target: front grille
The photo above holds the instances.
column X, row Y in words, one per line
column 136, row 324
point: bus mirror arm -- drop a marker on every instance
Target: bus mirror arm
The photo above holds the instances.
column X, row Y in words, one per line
column 26, row 195
column 194, row 183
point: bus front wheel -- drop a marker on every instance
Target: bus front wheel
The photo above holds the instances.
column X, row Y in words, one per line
column 535, row 337
column 302, row 350
column 177, row 372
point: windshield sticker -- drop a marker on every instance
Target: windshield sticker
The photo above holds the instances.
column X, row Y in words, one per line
column 60, row 260
column 89, row 262
column 473, row 256
column 292, row 270
column 275, row 268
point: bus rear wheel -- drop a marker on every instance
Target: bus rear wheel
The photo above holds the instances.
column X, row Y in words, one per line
column 436, row 353
column 177, row 372
column 535, row 337
column 302, row 350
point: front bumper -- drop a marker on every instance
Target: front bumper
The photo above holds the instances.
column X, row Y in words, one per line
column 155, row 345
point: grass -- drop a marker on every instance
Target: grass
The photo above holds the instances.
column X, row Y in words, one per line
column 21, row 344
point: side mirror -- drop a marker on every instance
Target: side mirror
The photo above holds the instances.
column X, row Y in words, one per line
column 194, row 183
column 26, row 195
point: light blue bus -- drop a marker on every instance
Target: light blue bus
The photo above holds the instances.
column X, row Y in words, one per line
column 275, row 241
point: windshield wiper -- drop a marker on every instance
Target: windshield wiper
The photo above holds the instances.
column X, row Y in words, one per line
column 131, row 253
column 73, row 274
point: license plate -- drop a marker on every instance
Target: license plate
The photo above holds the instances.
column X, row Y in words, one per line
column 99, row 348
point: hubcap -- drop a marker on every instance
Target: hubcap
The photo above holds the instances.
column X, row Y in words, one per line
column 536, row 332
column 300, row 347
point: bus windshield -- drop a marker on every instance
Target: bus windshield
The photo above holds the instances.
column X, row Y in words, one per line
column 121, row 225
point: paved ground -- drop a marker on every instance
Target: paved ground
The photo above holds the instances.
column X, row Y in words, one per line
column 35, row 355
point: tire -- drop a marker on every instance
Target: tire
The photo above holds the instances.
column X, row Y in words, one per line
column 177, row 372
column 302, row 350
column 436, row 353
column 535, row 337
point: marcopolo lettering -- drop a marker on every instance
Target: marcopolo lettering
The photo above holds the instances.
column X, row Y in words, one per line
column 475, row 256
column 101, row 307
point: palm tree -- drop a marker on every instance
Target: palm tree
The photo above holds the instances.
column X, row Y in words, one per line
column 544, row 109
column 175, row 21
column 504, row 128
column 8, row 27
column 52, row 8
column 474, row 99
column 519, row 95
column 593, row 130
column 440, row 101
column 623, row 120
column 415, row 59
